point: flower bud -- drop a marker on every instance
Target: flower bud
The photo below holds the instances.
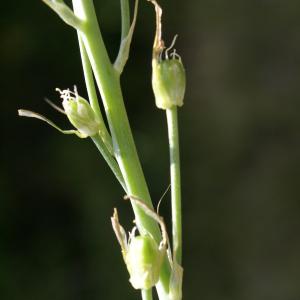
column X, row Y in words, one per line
column 143, row 260
column 80, row 113
column 168, row 82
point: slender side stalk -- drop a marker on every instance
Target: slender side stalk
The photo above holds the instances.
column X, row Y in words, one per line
column 147, row 294
column 109, row 159
column 172, row 121
column 125, row 18
column 91, row 89
column 108, row 82
column 89, row 80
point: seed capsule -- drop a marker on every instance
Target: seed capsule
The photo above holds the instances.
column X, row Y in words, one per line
column 80, row 113
column 142, row 256
column 143, row 261
column 168, row 82
column 168, row 75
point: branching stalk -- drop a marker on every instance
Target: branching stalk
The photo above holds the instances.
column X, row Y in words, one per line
column 117, row 145
column 108, row 82
column 110, row 89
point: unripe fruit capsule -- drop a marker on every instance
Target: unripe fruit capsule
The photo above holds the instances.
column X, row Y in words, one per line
column 168, row 82
column 143, row 260
column 81, row 115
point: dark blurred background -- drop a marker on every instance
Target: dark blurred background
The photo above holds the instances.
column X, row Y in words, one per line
column 240, row 146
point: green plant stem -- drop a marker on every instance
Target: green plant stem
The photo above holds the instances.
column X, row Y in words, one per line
column 109, row 159
column 147, row 294
column 108, row 83
column 125, row 14
column 92, row 94
column 172, row 120
column 89, row 80
column 104, row 142
column 110, row 89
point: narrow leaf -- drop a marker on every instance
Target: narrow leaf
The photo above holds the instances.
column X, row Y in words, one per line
column 125, row 44
column 64, row 12
column 31, row 114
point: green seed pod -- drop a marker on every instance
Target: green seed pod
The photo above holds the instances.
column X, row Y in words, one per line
column 142, row 256
column 143, row 259
column 168, row 82
column 81, row 115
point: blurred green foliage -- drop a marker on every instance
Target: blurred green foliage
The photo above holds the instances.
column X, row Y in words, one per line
column 240, row 140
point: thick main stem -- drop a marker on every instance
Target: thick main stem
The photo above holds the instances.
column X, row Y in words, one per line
column 110, row 89
column 172, row 120
column 108, row 82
